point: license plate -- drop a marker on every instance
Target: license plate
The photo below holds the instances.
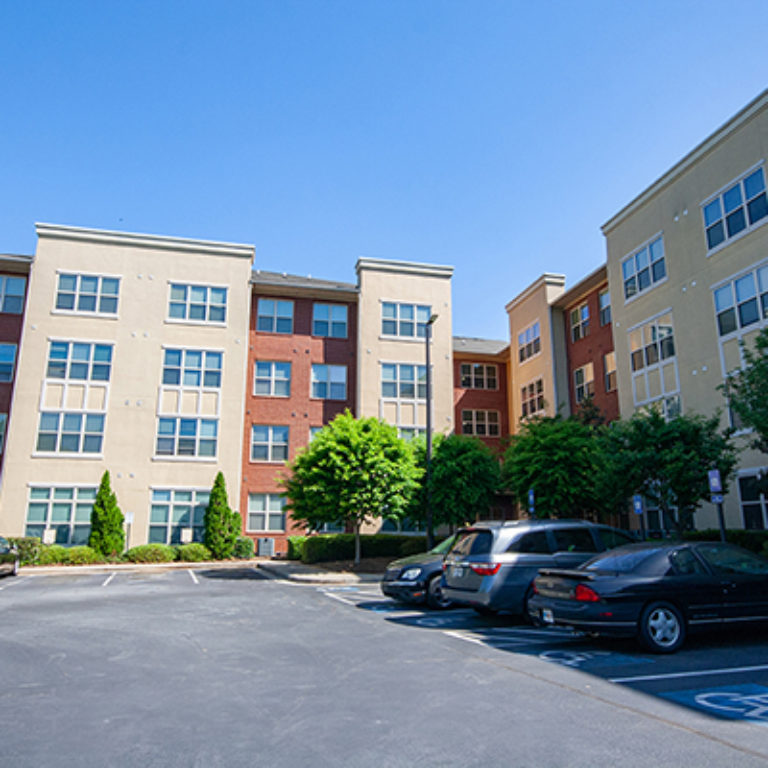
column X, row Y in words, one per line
column 457, row 571
column 547, row 617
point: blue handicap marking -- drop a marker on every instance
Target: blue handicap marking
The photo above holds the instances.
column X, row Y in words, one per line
column 586, row 659
column 733, row 702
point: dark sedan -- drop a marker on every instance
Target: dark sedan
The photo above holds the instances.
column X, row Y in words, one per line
column 9, row 558
column 656, row 591
column 416, row 579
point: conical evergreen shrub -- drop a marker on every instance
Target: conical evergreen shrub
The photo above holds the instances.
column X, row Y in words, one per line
column 107, row 532
column 222, row 525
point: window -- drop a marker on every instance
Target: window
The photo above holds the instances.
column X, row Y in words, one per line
column 274, row 316
column 404, row 320
column 266, row 512
column 604, row 304
column 192, row 368
column 652, row 343
column 532, row 397
column 272, row 379
column 753, row 502
column 269, row 443
column 529, row 342
column 584, row 382
column 609, row 371
column 653, row 362
column 644, row 268
column 329, row 382
column 183, row 437
column 3, row 427
column 79, row 361
column 579, row 322
column 12, row 294
column 197, row 303
column 7, row 361
column 742, row 206
column 573, row 540
column 480, row 423
column 80, row 433
column 479, row 376
column 329, row 320
column 535, row 542
column 742, row 302
column 313, row 431
column 66, row 509
column 400, row 381
column 173, row 510
column 87, row 293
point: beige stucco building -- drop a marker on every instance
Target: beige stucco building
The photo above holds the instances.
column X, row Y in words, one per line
column 688, row 271
column 133, row 360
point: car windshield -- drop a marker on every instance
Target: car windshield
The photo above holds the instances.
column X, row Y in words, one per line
column 473, row 542
column 443, row 546
column 621, row 560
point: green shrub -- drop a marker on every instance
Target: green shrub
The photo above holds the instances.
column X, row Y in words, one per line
column 222, row 524
column 341, row 546
column 82, row 555
column 151, row 553
column 755, row 541
column 244, row 548
column 193, row 553
column 29, row 548
column 53, row 554
column 413, row 545
column 295, row 547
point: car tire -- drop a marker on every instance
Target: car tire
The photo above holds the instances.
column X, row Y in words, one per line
column 532, row 619
column 435, row 599
column 484, row 610
column 662, row 628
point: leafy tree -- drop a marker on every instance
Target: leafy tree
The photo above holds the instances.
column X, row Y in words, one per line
column 107, row 533
column 559, row 459
column 222, row 525
column 464, row 475
column 668, row 461
column 353, row 471
column 747, row 390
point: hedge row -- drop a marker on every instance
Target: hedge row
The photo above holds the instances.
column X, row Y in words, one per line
column 341, row 546
column 756, row 541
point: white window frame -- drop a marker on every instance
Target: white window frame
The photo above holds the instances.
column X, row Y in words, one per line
column 329, row 377
column 63, row 433
column 669, row 399
column 273, row 511
column 479, row 375
column 529, row 342
column 331, row 309
column 79, row 296
column 80, row 508
column 536, row 398
column 8, row 298
column 604, row 307
column 579, row 328
column 639, row 266
column 188, row 301
column 272, row 445
column 402, row 321
column 71, row 361
column 8, row 354
column 480, row 422
column 200, row 437
column 187, row 368
column 271, row 380
column 725, row 296
column 609, row 373
column 275, row 316
column 193, row 510
column 584, row 382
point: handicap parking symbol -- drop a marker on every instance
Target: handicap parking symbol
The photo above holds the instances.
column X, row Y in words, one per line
column 733, row 702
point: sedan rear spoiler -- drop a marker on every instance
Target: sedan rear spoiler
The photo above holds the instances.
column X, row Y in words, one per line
column 566, row 573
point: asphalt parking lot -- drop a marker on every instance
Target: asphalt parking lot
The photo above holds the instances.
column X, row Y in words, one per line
column 229, row 667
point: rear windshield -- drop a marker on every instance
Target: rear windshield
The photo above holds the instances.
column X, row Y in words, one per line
column 621, row 561
column 473, row 543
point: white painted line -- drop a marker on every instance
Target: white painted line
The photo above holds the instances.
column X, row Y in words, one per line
column 192, row 574
column 341, row 599
column 460, row 636
column 697, row 673
column 111, row 576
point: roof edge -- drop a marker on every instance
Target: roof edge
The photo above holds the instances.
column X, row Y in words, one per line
column 403, row 267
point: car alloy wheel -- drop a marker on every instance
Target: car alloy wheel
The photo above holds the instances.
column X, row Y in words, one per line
column 662, row 628
column 435, row 597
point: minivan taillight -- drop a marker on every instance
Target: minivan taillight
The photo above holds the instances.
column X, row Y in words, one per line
column 485, row 569
column 585, row 594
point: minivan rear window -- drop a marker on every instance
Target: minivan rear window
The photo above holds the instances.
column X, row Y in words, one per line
column 473, row 543
column 532, row 543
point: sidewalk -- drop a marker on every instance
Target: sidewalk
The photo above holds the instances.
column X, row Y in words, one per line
column 314, row 574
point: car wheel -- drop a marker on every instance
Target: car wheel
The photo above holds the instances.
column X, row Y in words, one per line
column 484, row 610
column 435, row 597
column 532, row 618
column 662, row 628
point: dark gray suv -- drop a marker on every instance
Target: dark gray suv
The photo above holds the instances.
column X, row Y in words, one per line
column 492, row 565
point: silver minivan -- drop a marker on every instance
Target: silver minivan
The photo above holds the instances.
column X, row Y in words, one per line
column 492, row 565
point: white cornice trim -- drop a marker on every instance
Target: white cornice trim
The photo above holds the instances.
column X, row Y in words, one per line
column 403, row 267
column 134, row 240
column 546, row 280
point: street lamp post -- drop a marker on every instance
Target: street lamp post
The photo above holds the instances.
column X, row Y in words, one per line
column 428, row 516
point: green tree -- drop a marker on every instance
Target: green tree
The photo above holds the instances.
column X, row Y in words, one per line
column 667, row 461
column 465, row 475
column 353, row 471
column 222, row 525
column 107, row 533
column 559, row 459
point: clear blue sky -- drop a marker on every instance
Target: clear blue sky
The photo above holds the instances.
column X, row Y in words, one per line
column 492, row 136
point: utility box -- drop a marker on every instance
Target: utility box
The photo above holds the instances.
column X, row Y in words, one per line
column 266, row 547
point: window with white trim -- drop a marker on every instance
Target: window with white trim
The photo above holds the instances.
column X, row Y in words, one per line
column 266, row 513
column 179, row 436
column 403, row 381
column 71, row 433
column 271, row 379
column 79, row 361
column 329, row 382
column 329, row 320
column 197, row 303
column 65, row 509
column 604, row 305
column 12, row 294
column 529, row 342
column 192, row 368
column 93, row 294
column 175, row 509
column 407, row 321
column 740, row 208
column 479, row 376
column 580, row 322
column 532, row 399
column 644, row 268
column 742, row 302
column 7, row 361
column 584, row 382
column 481, row 423
column 274, row 316
column 269, row 443
column 609, row 371
column 754, row 506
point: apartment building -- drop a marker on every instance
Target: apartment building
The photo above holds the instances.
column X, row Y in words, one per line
column 687, row 265
column 133, row 360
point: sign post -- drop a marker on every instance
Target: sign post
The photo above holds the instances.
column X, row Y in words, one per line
column 716, row 491
column 531, row 502
column 637, row 506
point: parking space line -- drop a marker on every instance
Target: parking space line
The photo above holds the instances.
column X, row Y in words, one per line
column 192, row 574
column 341, row 599
column 17, row 580
column 696, row 673
column 106, row 581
